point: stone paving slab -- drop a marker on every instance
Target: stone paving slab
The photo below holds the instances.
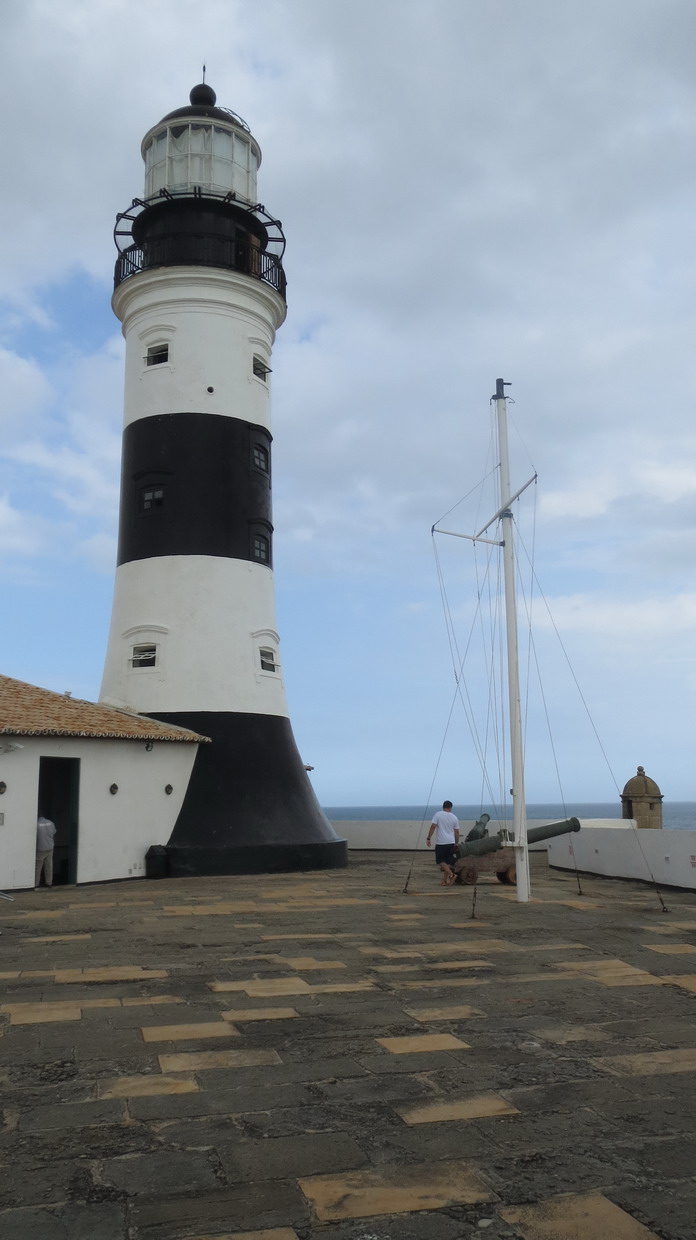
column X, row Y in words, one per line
column 394, row 1190
column 394, row 1069
column 590, row 1215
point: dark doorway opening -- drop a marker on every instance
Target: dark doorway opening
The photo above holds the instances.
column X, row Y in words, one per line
column 59, row 795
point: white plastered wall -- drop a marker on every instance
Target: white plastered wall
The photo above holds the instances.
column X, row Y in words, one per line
column 214, row 323
column 114, row 831
column 668, row 856
column 209, row 617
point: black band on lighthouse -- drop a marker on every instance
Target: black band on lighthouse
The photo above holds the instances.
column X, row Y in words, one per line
column 195, row 484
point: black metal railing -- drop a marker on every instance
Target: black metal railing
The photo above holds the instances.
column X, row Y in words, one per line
column 202, row 250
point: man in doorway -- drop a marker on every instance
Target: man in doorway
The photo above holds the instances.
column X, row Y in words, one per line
column 445, row 826
column 45, row 839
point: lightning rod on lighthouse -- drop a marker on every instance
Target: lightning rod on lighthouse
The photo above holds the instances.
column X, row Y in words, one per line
column 200, row 292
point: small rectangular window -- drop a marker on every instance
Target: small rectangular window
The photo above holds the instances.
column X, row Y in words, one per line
column 260, row 547
column 268, row 661
column 260, row 457
column 261, row 370
column 156, row 354
column 152, row 497
column 144, row 656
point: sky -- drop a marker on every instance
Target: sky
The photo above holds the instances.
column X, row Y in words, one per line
column 470, row 189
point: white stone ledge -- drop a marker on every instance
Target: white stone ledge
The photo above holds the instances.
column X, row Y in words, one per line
column 668, row 856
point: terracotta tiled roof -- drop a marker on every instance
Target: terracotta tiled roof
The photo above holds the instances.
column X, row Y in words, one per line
column 28, row 711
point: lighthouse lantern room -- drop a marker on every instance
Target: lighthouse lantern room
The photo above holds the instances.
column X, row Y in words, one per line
column 200, row 292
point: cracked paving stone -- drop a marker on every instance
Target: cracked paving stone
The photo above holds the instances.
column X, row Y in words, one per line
column 283, row 1158
column 67, row 1222
column 171, row 1171
column 244, row 1206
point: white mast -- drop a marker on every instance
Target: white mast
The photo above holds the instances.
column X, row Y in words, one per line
column 504, row 515
column 519, row 809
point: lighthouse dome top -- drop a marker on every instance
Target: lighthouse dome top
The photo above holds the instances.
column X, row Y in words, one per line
column 203, row 93
column 201, row 147
column 203, row 102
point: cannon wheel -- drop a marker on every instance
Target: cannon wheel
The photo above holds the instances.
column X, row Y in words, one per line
column 508, row 877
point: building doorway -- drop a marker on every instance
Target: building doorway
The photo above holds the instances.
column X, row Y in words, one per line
column 59, row 798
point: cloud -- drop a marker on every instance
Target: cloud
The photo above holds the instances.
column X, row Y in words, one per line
column 632, row 621
column 441, row 232
column 99, row 551
column 19, row 536
column 62, row 460
column 24, row 395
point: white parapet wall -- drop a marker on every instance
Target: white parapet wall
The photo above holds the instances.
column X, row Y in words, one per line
column 668, row 856
column 409, row 835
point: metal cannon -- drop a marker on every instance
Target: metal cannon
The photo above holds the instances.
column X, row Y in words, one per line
column 494, row 854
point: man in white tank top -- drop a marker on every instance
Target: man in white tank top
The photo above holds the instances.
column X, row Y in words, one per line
column 445, row 826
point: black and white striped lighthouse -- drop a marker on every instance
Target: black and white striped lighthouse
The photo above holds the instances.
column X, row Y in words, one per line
column 200, row 292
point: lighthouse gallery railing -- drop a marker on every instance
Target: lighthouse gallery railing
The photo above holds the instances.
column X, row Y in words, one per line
column 202, row 250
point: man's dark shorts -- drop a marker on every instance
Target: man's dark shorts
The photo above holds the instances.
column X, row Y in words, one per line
column 444, row 852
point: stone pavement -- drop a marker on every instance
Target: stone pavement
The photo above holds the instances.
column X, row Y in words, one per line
column 322, row 1057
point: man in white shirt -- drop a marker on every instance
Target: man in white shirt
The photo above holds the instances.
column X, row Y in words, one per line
column 445, row 826
column 45, row 839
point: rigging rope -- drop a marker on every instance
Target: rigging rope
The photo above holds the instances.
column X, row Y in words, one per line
column 465, row 497
column 566, row 656
column 430, row 793
column 460, row 691
column 533, row 651
column 461, row 687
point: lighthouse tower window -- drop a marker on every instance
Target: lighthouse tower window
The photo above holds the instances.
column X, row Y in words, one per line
column 151, row 498
column 268, row 660
column 143, row 656
column 261, row 548
column 260, row 369
column 260, row 457
column 156, row 354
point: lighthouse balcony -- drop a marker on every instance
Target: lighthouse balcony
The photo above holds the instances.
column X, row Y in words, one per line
column 200, row 229
column 202, row 251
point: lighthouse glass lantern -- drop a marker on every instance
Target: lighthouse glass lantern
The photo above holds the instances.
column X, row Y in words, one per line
column 200, row 292
column 189, row 154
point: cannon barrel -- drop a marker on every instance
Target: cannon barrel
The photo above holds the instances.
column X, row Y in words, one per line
column 535, row 834
column 492, row 843
column 478, row 848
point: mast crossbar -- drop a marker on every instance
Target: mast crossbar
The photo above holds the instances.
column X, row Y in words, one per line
column 502, row 511
column 494, row 542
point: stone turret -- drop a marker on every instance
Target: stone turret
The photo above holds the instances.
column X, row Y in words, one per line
column 641, row 800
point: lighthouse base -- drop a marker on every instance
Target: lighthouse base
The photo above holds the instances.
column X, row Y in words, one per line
column 264, row 859
column 249, row 807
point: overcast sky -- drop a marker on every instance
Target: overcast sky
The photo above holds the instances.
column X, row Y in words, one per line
column 470, row 189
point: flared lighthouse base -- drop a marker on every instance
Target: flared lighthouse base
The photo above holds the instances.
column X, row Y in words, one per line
column 249, row 807
column 264, row 859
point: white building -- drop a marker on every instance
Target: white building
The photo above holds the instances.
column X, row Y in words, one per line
column 112, row 781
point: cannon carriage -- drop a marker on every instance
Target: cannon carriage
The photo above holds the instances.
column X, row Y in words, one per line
column 494, row 854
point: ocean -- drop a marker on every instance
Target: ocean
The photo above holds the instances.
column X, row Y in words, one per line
column 677, row 814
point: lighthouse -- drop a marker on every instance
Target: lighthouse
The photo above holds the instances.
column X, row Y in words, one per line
column 200, row 293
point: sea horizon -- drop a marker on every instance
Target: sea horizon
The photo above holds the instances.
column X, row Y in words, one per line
column 679, row 815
